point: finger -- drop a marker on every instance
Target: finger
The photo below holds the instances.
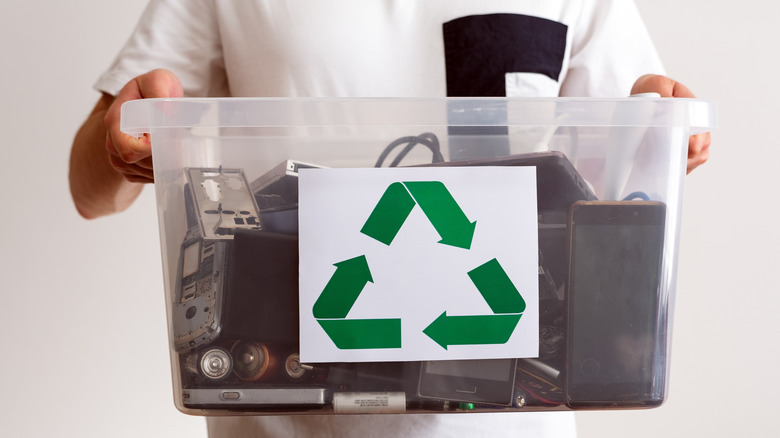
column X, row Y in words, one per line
column 698, row 143
column 142, row 168
column 662, row 85
column 121, row 153
column 680, row 90
column 140, row 179
column 127, row 169
column 654, row 84
column 698, row 150
column 146, row 163
column 128, row 148
column 698, row 160
column 131, row 172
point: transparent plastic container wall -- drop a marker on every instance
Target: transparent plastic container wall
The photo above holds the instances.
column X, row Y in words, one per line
column 609, row 184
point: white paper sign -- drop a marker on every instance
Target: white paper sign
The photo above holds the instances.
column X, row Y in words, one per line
column 408, row 264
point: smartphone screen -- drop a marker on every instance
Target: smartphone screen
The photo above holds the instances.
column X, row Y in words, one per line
column 615, row 351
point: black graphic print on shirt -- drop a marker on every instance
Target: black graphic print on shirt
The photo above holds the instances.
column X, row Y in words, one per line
column 480, row 49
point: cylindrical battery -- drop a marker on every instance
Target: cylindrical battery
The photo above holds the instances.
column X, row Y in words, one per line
column 294, row 368
column 215, row 363
column 369, row 402
column 253, row 360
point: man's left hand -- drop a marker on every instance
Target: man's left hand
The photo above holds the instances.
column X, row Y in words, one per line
column 699, row 144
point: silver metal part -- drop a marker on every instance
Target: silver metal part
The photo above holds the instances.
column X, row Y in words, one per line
column 279, row 186
column 198, row 308
column 286, row 396
column 215, row 364
column 520, row 400
column 294, row 367
column 191, row 364
column 223, row 201
column 369, row 402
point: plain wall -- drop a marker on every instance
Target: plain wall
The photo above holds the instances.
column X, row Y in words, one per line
column 85, row 351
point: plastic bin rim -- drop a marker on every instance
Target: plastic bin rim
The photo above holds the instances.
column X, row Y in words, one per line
column 145, row 115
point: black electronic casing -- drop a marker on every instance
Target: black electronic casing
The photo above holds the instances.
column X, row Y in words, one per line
column 616, row 343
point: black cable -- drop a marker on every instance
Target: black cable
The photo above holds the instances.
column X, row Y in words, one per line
column 427, row 139
column 403, row 153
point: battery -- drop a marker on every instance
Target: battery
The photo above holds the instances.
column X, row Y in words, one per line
column 369, row 402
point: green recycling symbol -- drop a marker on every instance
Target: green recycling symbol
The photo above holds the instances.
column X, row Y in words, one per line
column 453, row 226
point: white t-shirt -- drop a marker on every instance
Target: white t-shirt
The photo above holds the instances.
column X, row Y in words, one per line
column 391, row 48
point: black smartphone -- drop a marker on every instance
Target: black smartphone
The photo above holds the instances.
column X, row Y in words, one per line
column 488, row 381
column 616, row 354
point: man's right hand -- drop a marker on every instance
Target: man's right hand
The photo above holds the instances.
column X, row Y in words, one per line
column 128, row 155
column 107, row 166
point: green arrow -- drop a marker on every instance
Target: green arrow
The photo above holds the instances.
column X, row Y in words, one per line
column 351, row 334
column 445, row 214
column 472, row 330
column 389, row 214
column 495, row 286
column 343, row 288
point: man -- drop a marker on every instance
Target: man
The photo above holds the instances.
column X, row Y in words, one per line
column 362, row 48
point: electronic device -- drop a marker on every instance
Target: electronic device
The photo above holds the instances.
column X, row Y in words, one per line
column 373, row 376
column 537, row 384
column 615, row 333
column 235, row 315
column 276, row 194
column 254, row 351
column 558, row 186
column 279, row 186
column 489, row 381
column 558, row 183
column 218, row 203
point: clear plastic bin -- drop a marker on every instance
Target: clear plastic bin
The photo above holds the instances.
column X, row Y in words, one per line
column 609, row 184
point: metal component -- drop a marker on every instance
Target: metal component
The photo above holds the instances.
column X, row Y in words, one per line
column 251, row 359
column 191, row 364
column 294, row 367
column 261, row 397
column 221, row 196
column 369, row 402
column 279, row 186
column 520, row 400
column 215, row 364
column 197, row 312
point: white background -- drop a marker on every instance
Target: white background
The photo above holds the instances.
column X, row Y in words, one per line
column 84, row 337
